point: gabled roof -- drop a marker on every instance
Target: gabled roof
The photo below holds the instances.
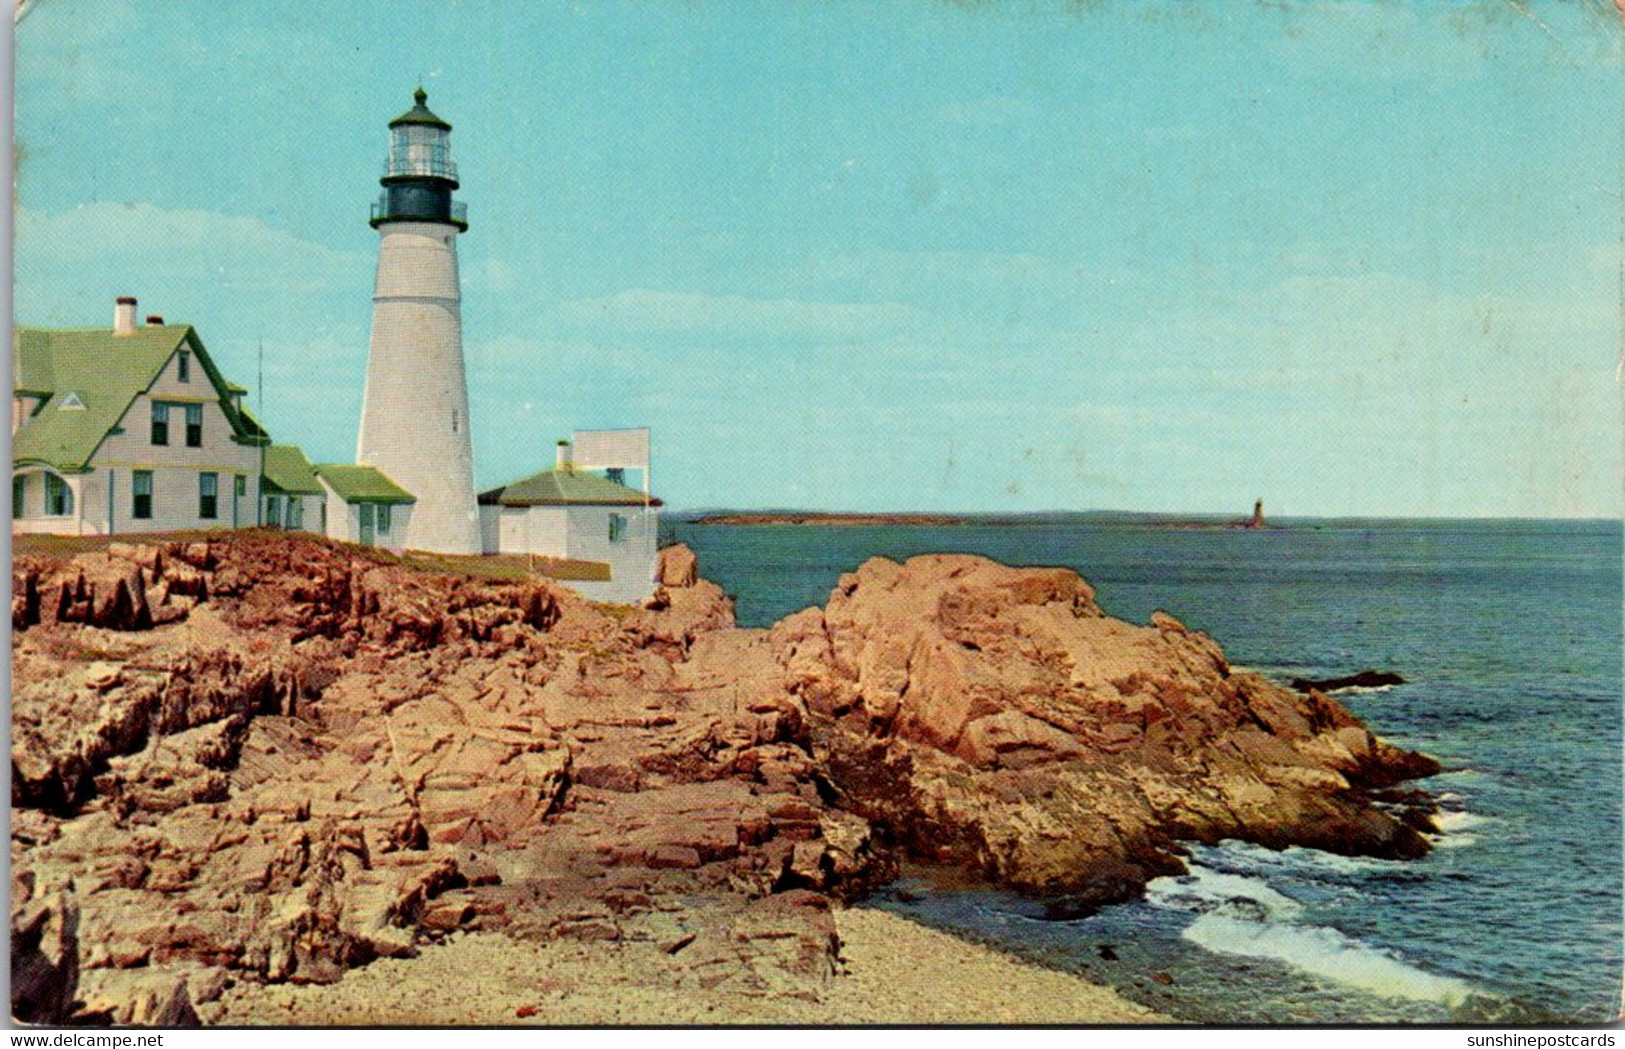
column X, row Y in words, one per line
column 362, row 484
column 106, row 373
column 565, row 488
column 287, row 468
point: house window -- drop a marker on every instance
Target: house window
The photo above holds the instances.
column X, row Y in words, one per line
column 454, row 420
column 194, row 426
column 296, row 512
column 617, row 528
column 240, row 487
column 273, row 510
column 141, row 495
column 160, row 422
column 183, row 366
column 383, row 518
column 208, row 496
column 58, row 497
column 19, row 489
column 323, row 505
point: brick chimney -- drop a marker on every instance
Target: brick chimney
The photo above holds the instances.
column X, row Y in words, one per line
column 124, row 315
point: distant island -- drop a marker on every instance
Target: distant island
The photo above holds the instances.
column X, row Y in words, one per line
column 831, row 519
column 836, row 519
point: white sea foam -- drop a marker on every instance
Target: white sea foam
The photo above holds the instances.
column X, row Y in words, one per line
column 1456, row 841
column 1326, row 952
column 1295, row 860
column 1241, row 915
column 1204, row 890
column 1453, row 821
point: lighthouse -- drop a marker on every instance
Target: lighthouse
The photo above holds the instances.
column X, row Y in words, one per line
column 414, row 412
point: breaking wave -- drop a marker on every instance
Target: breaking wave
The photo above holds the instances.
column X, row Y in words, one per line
column 1240, row 915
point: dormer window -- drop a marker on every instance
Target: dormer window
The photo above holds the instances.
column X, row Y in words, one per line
column 183, row 366
column 71, row 403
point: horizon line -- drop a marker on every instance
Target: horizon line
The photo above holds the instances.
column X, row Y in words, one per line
column 1165, row 514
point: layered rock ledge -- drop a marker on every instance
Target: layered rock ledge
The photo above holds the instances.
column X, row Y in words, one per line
column 271, row 758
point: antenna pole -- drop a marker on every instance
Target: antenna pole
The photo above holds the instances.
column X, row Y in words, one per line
column 259, row 493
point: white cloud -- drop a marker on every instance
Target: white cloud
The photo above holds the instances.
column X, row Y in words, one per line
column 231, row 275
column 643, row 311
column 107, row 229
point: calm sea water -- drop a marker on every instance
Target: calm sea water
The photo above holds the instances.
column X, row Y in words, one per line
column 1509, row 635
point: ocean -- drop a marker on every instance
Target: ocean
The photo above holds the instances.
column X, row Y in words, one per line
column 1509, row 636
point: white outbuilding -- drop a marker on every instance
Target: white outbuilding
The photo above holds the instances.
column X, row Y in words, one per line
column 365, row 506
column 579, row 515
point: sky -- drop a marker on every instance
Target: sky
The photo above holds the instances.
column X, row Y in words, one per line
column 1354, row 258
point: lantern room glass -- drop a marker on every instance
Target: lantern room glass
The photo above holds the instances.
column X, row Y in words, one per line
column 420, row 149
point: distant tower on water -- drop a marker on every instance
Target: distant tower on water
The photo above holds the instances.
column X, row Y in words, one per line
column 414, row 414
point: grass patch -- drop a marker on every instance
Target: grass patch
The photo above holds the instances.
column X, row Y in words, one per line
column 502, row 567
column 31, row 545
column 508, row 566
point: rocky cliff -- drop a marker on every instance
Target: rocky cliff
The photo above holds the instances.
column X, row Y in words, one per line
column 272, row 757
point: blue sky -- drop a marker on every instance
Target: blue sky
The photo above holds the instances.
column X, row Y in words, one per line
column 1352, row 257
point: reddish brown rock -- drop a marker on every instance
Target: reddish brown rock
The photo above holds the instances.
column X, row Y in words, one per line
column 317, row 756
column 678, row 566
column 994, row 716
column 44, row 953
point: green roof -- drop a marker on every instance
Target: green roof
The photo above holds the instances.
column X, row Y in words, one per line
column 420, row 113
column 362, row 484
column 565, row 488
column 287, row 468
column 105, row 373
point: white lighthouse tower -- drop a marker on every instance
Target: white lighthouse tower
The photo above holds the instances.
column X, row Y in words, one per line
column 414, row 414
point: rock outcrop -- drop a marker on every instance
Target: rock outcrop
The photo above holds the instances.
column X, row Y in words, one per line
column 1363, row 679
column 995, row 717
column 334, row 758
column 44, row 952
column 272, row 757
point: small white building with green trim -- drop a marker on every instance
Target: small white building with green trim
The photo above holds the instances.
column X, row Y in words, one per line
column 294, row 497
column 365, row 506
column 128, row 429
column 579, row 515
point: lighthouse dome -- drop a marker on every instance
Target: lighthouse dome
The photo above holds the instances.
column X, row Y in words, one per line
column 420, row 113
column 419, row 174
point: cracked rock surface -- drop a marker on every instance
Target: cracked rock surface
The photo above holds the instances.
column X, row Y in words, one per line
column 269, row 758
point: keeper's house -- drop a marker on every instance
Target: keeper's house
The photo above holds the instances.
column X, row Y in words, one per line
column 128, row 429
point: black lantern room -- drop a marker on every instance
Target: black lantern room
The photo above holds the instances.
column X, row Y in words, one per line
column 419, row 175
